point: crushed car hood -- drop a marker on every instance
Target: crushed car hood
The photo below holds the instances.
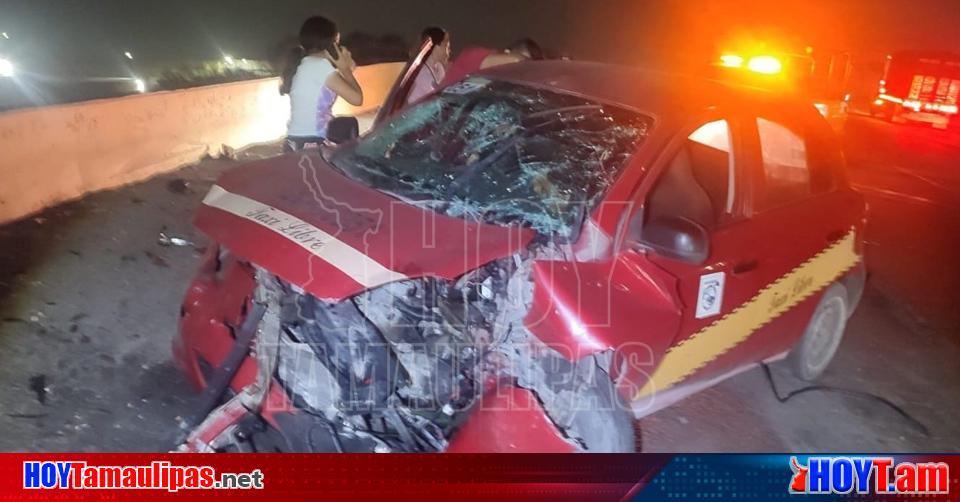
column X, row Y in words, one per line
column 332, row 236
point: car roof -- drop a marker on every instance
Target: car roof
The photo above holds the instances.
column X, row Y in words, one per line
column 658, row 93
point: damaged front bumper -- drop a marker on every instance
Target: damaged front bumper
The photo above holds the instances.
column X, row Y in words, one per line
column 290, row 392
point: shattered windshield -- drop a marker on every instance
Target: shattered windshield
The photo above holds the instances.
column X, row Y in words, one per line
column 500, row 153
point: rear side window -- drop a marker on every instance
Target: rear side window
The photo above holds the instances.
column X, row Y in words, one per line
column 785, row 168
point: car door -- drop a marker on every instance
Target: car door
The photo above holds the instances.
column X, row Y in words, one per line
column 397, row 97
column 790, row 234
column 703, row 178
column 807, row 221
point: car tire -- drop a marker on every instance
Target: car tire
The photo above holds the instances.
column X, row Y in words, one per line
column 823, row 334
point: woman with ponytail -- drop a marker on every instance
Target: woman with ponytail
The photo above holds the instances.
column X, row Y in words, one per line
column 315, row 74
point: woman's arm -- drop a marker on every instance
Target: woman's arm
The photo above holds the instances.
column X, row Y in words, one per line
column 499, row 59
column 343, row 82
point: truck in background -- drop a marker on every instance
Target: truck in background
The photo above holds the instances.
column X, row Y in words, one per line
column 919, row 87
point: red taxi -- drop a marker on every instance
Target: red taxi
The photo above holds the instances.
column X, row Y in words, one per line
column 528, row 260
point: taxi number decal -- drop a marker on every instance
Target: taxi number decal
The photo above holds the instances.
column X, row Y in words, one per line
column 710, row 295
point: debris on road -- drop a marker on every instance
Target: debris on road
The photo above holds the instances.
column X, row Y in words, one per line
column 38, row 384
column 178, row 186
column 166, row 240
column 27, row 415
column 157, row 260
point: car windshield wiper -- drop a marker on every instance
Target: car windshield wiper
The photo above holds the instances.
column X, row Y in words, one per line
column 564, row 109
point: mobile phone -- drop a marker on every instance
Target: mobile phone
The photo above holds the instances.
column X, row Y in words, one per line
column 335, row 51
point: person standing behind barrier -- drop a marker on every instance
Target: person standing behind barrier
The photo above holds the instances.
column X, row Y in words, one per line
column 474, row 59
column 435, row 68
column 315, row 73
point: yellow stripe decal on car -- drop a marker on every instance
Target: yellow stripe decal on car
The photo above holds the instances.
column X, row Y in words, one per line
column 693, row 353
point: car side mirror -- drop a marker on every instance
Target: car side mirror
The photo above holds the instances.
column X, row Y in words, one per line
column 342, row 129
column 677, row 238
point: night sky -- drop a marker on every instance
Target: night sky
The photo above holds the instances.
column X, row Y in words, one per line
column 88, row 37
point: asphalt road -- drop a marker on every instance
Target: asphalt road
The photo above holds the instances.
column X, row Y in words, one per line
column 89, row 302
column 910, row 176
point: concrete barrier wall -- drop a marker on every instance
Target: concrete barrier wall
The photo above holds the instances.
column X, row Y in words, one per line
column 55, row 154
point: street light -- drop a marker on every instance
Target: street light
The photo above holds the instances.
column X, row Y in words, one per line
column 4, row 34
column 128, row 55
column 6, row 68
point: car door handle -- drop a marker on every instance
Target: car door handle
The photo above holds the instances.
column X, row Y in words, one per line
column 744, row 267
column 836, row 235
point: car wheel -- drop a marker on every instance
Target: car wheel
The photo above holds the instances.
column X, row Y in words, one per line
column 822, row 336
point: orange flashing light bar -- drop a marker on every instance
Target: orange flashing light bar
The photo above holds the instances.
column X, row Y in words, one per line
column 731, row 61
column 767, row 65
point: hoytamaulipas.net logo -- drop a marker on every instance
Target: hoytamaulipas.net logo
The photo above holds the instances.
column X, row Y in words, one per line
column 863, row 475
column 159, row 475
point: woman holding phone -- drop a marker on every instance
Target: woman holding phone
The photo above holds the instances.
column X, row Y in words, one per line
column 316, row 73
